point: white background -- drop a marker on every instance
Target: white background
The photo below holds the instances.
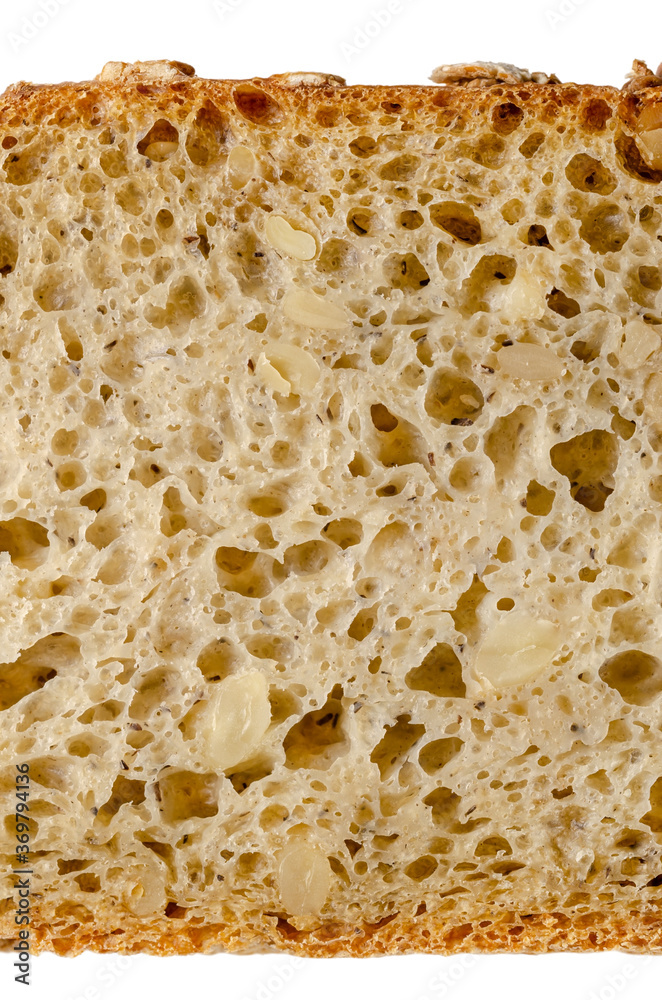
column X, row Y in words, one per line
column 48, row 41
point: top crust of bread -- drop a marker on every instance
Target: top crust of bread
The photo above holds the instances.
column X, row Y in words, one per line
column 130, row 96
column 470, row 89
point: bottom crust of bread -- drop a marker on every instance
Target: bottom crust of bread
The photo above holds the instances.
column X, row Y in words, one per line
column 630, row 931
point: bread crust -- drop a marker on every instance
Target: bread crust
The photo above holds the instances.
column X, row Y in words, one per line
column 143, row 95
column 488, row 933
column 93, row 101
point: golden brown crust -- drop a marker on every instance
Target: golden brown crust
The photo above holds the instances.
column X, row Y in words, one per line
column 489, row 933
column 266, row 101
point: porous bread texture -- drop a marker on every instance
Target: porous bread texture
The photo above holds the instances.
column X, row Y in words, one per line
column 331, row 472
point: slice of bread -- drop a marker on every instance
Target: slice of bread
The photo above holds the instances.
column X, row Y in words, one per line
column 330, row 495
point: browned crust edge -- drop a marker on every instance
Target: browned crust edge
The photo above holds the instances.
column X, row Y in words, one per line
column 630, row 931
column 95, row 102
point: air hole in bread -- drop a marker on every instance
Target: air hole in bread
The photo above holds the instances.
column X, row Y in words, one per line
column 256, row 105
column 506, row 118
column 406, row 272
column 36, row 666
column 250, row 574
column 585, row 173
column 124, row 791
column 363, row 623
column 88, row 882
column 395, row 745
column 653, row 818
column 319, row 737
column 8, row 254
column 589, row 462
column 152, row 692
column 439, row 674
column 605, row 229
column 343, row 531
column 23, row 166
column 206, row 136
column 160, row 142
column 363, row 146
column 492, row 273
column 508, row 439
column 435, row 755
column 401, row 168
column 453, row 398
column 107, row 711
column 26, row 542
column 83, row 746
column 306, row 557
column 183, row 795
column 361, row 222
column 458, row 220
column 636, row 675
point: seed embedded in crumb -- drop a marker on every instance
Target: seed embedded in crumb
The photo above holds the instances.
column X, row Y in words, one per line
column 531, row 362
column 287, row 368
column 639, row 342
column 285, row 238
column 304, row 878
column 271, row 377
column 242, row 166
column 516, row 649
column 159, row 151
column 237, row 717
column 650, row 147
column 524, row 297
column 313, row 311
